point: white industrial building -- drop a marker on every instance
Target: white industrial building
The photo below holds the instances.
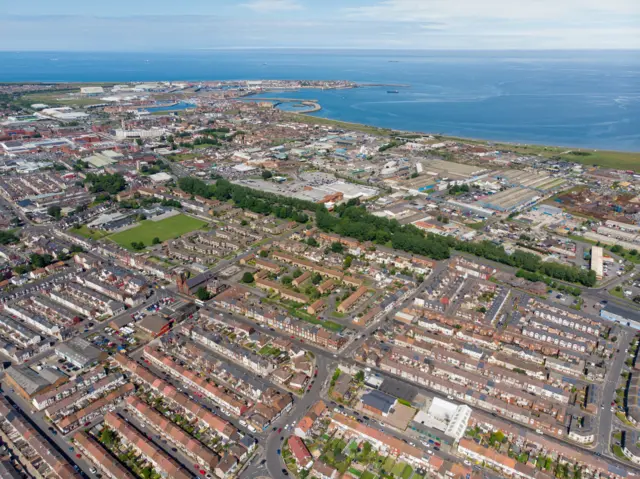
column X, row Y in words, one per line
column 597, row 264
column 445, row 416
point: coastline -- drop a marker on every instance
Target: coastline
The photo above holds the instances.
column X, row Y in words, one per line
column 626, row 160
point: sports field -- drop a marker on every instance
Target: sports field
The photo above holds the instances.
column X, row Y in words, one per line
column 165, row 229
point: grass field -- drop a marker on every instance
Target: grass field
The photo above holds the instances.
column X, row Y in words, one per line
column 164, row 229
column 87, row 232
column 58, row 99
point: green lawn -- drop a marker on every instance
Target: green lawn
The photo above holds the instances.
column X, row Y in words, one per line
column 87, row 232
column 398, row 469
column 165, row 229
column 330, row 325
column 617, row 294
column 388, row 464
column 368, row 475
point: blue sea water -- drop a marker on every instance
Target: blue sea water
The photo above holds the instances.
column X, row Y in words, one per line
column 580, row 99
column 181, row 105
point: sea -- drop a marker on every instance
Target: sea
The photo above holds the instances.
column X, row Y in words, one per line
column 588, row 99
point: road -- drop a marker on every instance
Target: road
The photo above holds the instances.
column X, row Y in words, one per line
column 606, row 417
column 62, row 443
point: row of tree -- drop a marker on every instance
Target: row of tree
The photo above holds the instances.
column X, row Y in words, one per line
column 250, row 199
column 352, row 220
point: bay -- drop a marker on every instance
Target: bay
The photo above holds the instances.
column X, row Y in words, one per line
column 569, row 98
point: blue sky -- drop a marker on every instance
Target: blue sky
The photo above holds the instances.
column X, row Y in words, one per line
column 155, row 25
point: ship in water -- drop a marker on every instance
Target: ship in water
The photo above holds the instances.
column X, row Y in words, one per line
column 393, row 91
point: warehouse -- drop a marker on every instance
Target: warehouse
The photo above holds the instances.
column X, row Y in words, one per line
column 615, row 313
column 597, row 261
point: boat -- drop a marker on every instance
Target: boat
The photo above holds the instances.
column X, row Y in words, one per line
column 393, row 91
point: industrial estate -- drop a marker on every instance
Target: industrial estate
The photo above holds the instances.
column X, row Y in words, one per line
column 197, row 282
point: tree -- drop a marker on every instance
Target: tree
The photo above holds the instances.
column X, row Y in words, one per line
column 139, row 141
column 202, row 294
column 266, row 174
column 312, row 242
column 8, row 237
column 359, row 376
column 156, row 240
column 40, row 261
column 316, row 278
column 264, row 253
column 106, row 183
column 55, row 211
column 347, row 262
column 287, row 280
column 247, row 278
column 137, row 245
column 107, row 436
column 297, row 273
column 337, row 247
column 80, row 209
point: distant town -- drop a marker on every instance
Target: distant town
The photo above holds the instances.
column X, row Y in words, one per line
column 198, row 282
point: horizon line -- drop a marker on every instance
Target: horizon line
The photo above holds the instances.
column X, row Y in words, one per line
column 405, row 49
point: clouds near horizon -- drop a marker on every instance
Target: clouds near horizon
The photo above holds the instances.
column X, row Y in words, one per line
column 152, row 25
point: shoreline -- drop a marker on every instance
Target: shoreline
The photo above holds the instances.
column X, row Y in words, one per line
column 595, row 156
column 608, row 158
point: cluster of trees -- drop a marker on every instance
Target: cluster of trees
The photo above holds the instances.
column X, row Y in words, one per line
column 81, row 165
column 36, row 261
column 8, row 237
column 55, row 212
column 391, row 144
column 202, row 294
column 106, row 183
column 137, row 245
column 249, row 199
column 454, row 190
column 621, row 251
column 213, row 131
column 157, row 167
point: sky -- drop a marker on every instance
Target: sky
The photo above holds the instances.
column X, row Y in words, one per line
column 157, row 25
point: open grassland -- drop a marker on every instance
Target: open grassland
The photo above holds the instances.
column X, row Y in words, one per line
column 165, row 229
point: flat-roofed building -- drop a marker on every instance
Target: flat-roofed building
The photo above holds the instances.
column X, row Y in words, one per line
column 597, row 264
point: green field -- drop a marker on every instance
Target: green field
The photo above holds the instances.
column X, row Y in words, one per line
column 164, row 229
column 87, row 232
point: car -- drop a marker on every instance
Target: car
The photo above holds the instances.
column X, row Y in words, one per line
column 279, row 430
column 278, row 452
column 285, row 472
column 467, row 463
column 54, row 432
column 262, row 463
column 282, row 438
column 93, row 470
column 436, row 448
